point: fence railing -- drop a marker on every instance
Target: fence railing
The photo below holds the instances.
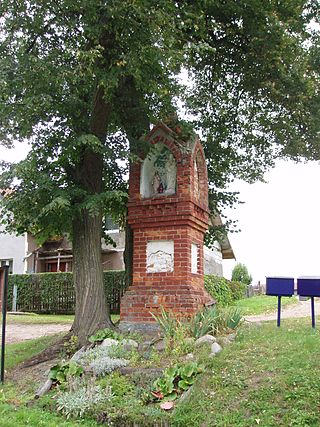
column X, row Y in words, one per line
column 54, row 292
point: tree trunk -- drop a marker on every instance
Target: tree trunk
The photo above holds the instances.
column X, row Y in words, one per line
column 92, row 312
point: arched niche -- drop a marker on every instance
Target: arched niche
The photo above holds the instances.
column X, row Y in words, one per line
column 158, row 173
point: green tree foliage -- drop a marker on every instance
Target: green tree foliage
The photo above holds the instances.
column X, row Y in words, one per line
column 82, row 81
column 240, row 274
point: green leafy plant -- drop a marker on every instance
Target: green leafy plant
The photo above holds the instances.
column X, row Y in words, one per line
column 60, row 373
column 168, row 323
column 102, row 334
column 175, row 380
column 71, row 346
column 215, row 321
column 204, row 322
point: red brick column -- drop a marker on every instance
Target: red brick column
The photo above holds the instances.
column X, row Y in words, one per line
column 181, row 218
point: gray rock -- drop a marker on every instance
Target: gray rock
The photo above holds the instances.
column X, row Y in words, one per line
column 160, row 345
column 231, row 337
column 189, row 356
column 129, row 344
column 206, row 339
column 224, row 341
column 185, row 395
column 145, row 345
column 77, row 355
column 108, row 342
column 215, row 348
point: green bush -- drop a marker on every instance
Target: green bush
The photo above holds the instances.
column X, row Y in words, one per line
column 238, row 290
column 224, row 291
column 240, row 274
column 53, row 293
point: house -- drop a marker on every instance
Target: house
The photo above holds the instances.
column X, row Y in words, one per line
column 23, row 255
column 56, row 254
column 12, row 248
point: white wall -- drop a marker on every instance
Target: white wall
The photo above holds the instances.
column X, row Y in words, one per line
column 13, row 247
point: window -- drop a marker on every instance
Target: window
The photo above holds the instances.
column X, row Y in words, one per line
column 8, row 262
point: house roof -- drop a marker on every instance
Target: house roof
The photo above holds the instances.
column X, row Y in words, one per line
column 226, row 248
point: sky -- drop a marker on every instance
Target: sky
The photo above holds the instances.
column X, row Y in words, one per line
column 279, row 220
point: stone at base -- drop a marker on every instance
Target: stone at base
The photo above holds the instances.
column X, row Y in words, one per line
column 147, row 328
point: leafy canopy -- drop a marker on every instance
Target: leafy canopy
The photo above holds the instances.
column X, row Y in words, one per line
column 87, row 77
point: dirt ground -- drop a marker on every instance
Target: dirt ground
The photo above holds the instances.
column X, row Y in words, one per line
column 301, row 309
column 21, row 332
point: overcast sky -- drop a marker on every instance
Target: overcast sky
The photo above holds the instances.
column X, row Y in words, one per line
column 279, row 221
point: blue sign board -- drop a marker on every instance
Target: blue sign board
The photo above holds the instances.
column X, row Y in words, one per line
column 309, row 286
column 280, row 286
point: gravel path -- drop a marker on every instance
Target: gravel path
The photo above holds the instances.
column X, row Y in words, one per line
column 301, row 309
column 21, row 332
column 17, row 332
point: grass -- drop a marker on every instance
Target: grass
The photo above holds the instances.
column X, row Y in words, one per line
column 268, row 377
column 18, row 352
column 39, row 319
column 14, row 398
column 263, row 304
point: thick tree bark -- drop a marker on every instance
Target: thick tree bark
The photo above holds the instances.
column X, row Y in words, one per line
column 92, row 312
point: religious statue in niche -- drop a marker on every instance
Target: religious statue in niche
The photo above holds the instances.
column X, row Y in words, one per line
column 165, row 171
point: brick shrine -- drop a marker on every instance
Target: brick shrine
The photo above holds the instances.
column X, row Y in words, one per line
column 168, row 212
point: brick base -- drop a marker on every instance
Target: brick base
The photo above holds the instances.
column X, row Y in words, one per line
column 182, row 301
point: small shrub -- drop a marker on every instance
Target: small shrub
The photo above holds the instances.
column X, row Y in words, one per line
column 99, row 361
column 61, row 372
column 105, row 365
column 175, row 380
column 82, row 399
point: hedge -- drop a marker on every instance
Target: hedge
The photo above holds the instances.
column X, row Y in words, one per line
column 224, row 291
column 53, row 293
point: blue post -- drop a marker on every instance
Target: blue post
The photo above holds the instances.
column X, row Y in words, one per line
column 312, row 313
column 279, row 311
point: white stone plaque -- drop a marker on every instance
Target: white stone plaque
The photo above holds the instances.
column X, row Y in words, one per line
column 194, row 258
column 160, row 256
